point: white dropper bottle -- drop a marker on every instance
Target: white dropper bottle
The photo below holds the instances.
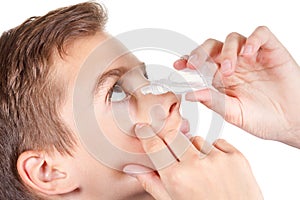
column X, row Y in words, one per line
column 178, row 82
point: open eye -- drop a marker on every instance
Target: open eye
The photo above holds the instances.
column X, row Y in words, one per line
column 117, row 94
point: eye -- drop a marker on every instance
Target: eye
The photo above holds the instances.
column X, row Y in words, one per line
column 117, row 93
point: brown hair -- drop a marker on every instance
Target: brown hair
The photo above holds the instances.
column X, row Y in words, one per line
column 30, row 94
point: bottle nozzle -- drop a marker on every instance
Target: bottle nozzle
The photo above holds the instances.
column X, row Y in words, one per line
column 178, row 82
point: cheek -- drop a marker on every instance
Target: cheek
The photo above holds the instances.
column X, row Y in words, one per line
column 116, row 125
column 105, row 181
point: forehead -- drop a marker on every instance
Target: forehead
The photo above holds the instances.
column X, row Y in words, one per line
column 98, row 53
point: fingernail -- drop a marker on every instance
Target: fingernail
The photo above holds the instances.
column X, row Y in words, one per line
column 139, row 126
column 143, row 131
column 184, row 57
column 226, row 66
column 247, row 49
column 134, row 170
column 193, row 60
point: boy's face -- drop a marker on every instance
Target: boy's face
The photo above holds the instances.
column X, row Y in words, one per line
column 98, row 180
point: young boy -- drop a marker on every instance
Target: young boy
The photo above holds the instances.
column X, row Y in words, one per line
column 41, row 154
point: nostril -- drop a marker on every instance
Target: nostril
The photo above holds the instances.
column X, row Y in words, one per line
column 172, row 107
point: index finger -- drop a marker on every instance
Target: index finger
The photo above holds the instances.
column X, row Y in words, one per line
column 154, row 146
column 208, row 51
column 173, row 147
column 181, row 63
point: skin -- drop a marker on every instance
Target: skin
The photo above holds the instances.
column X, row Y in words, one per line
column 69, row 177
column 256, row 75
column 257, row 78
column 81, row 176
column 106, row 180
column 222, row 174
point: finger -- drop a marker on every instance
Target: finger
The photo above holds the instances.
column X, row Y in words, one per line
column 204, row 53
column 224, row 146
column 212, row 47
column 262, row 38
column 201, row 145
column 149, row 180
column 156, row 149
column 181, row 63
column 231, row 48
column 210, row 98
column 179, row 144
column 198, row 142
column 169, row 143
column 216, row 101
column 153, row 185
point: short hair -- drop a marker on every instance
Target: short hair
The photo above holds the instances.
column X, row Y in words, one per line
column 31, row 95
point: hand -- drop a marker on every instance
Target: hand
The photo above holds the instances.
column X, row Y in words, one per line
column 223, row 174
column 258, row 80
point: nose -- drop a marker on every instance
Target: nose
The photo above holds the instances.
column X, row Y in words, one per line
column 148, row 108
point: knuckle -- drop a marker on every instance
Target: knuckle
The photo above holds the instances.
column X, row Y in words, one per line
column 232, row 36
column 153, row 144
column 177, row 177
column 147, row 186
column 236, row 154
column 239, row 158
column 218, row 83
column 198, row 139
column 195, row 161
column 210, row 41
column 263, row 29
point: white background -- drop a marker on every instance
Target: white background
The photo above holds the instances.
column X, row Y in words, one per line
column 276, row 166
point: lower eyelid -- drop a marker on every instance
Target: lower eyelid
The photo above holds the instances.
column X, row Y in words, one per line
column 123, row 101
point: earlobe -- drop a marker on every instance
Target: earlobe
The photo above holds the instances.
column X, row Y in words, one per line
column 44, row 173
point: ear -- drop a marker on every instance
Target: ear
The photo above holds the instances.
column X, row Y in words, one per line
column 50, row 175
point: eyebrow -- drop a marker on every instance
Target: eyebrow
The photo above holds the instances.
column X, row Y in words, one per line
column 103, row 77
column 117, row 73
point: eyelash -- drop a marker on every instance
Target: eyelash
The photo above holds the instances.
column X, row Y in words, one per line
column 110, row 91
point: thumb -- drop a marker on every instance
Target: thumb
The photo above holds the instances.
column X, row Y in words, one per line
column 216, row 101
column 149, row 180
column 210, row 98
